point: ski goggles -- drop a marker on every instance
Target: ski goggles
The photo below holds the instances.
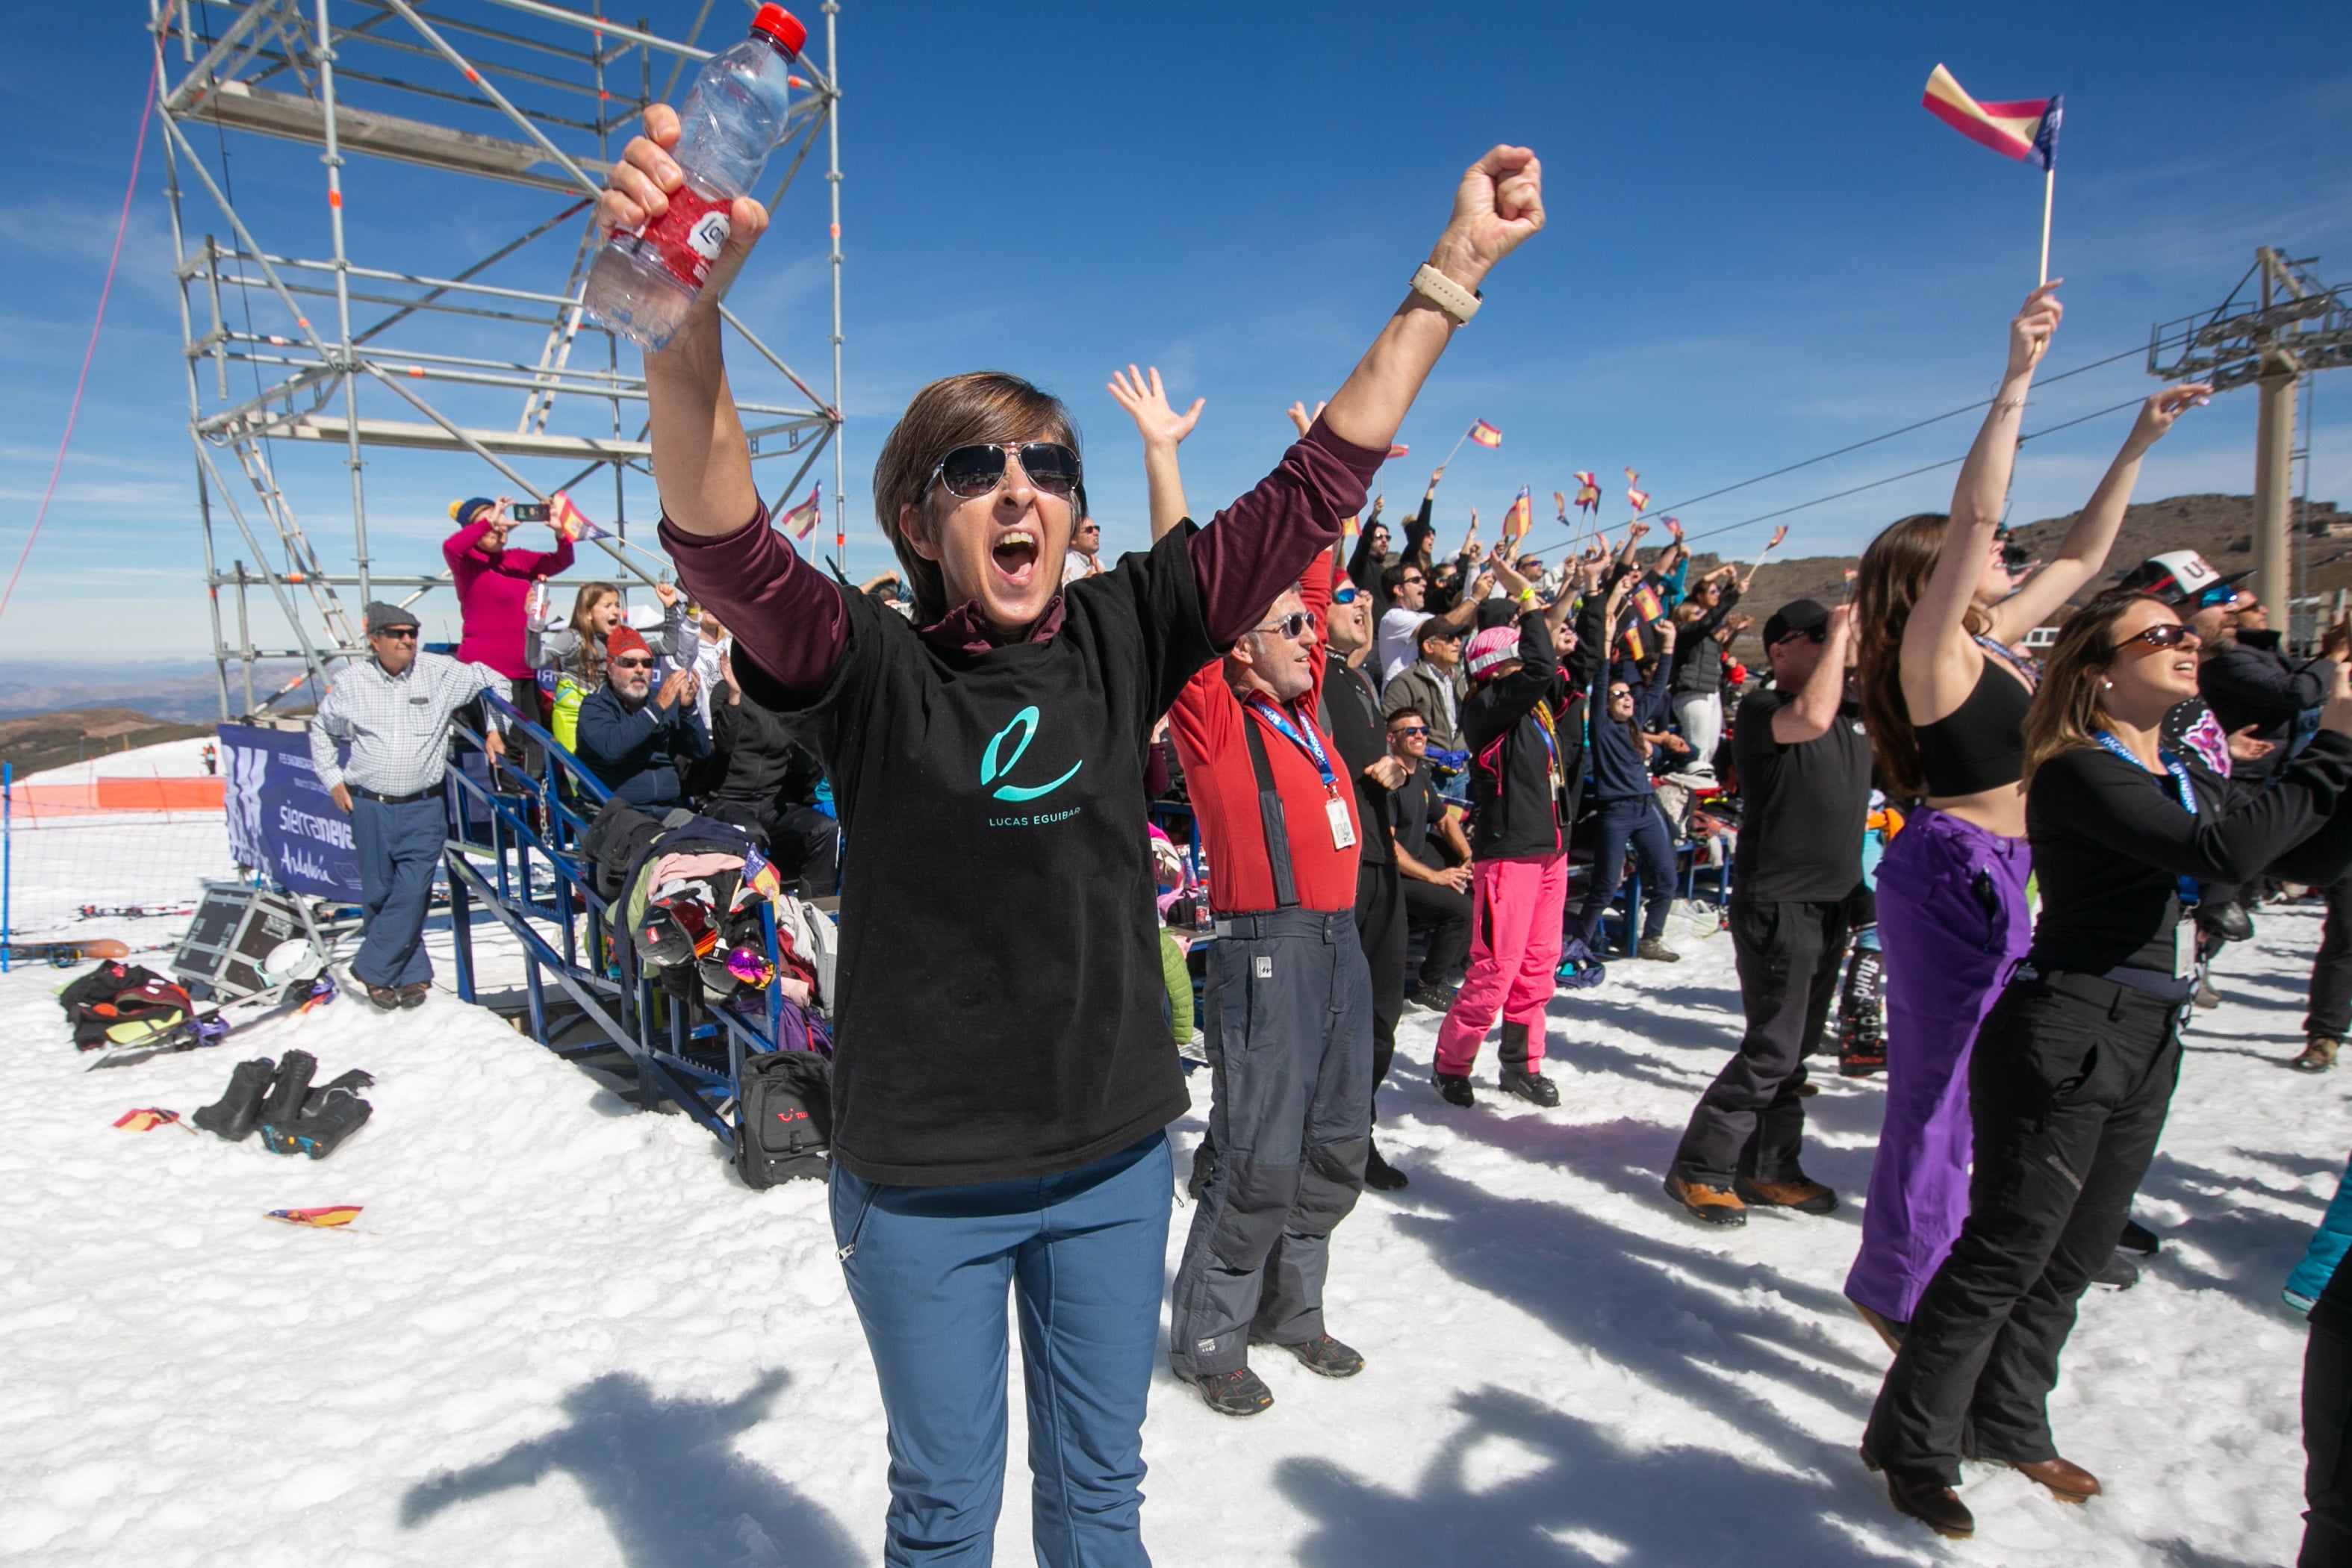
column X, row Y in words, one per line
column 972, row 472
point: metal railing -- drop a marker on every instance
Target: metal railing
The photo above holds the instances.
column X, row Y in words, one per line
column 517, row 853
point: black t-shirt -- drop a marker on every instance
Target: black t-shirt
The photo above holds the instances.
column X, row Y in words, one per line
column 1351, row 716
column 2111, row 843
column 1414, row 810
column 999, row 987
column 1802, row 807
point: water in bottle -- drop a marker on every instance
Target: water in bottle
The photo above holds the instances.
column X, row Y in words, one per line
column 645, row 279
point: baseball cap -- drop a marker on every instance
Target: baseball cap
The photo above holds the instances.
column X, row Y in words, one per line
column 2181, row 577
column 1796, row 615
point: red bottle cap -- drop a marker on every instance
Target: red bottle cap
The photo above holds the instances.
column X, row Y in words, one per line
column 781, row 25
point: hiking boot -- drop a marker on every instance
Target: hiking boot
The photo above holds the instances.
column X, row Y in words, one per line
column 1801, row 1194
column 2318, row 1053
column 289, row 1089
column 412, row 995
column 1379, row 1176
column 1712, row 1205
column 1657, row 952
column 1240, row 1393
column 232, row 1116
column 317, row 1133
column 2067, row 1481
column 2137, row 1238
column 2118, row 1273
column 1322, row 1356
column 1932, row 1503
column 384, row 998
column 2207, row 997
column 1436, row 998
column 1454, row 1088
column 1531, row 1086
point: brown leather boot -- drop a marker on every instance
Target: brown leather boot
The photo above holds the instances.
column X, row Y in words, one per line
column 1932, row 1503
column 1712, row 1205
column 2318, row 1053
column 1803, row 1194
column 2067, row 1481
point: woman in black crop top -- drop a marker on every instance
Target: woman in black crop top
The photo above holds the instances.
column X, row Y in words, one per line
column 2075, row 1065
column 1937, row 610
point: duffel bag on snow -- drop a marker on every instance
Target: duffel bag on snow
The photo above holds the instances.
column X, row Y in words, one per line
column 121, row 1004
column 783, row 1128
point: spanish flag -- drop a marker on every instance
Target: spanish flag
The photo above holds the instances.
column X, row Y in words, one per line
column 332, row 1217
column 2026, row 130
column 568, row 519
column 802, row 521
column 1521, row 518
column 1485, row 435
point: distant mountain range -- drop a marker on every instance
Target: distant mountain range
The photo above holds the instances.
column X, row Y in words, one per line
column 183, row 691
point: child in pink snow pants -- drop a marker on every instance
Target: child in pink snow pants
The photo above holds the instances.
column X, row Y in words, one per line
column 1514, row 948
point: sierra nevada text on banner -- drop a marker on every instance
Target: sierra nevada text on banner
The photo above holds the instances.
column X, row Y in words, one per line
column 280, row 819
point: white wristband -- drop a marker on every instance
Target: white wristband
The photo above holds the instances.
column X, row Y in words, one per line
column 1445, row 294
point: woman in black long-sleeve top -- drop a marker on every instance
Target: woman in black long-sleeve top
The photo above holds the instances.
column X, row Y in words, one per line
column 2075, row 1068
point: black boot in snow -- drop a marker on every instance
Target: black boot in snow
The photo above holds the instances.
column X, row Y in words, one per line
column 283, row 1107
column 1324, row 1356
column 1454, row 1088
column 317, row 1133
column 1517, row 1078
column 2137, row 1238
column 1242, row 1392
column 232, row 1115
column 2118, row 1273
column 1379, row 1176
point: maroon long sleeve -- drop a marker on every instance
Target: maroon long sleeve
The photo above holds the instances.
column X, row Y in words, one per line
column 789, row 616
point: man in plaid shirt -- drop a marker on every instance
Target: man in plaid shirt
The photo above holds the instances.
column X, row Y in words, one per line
column 395, row 713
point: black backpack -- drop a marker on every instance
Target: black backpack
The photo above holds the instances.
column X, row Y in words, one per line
column 783, row 1126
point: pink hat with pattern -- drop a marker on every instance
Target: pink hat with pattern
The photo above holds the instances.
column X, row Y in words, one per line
column 1491, row 648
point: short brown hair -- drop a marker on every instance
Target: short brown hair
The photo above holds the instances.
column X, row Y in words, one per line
column 959, row 411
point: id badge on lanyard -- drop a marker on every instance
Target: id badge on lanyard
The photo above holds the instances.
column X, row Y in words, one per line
column 1343, row 831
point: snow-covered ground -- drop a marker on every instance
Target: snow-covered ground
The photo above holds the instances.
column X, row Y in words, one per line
column 562, row 1333
column 164, row 760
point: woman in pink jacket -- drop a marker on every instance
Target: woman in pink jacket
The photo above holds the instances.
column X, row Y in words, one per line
column 493, row 581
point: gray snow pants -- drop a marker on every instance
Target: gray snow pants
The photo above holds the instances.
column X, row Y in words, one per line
column 1288, row 1023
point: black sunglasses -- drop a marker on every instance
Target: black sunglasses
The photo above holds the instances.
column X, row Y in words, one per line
column 970, row 472
column 1291, row 627
column 397, row 633
column 1810, row 634
column 2169, row 634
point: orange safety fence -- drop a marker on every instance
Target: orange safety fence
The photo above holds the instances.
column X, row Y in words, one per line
column 110, row 795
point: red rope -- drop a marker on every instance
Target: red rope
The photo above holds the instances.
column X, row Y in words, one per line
column 74, row 411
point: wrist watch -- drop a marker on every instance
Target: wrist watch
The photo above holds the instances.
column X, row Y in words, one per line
column 1446, row 294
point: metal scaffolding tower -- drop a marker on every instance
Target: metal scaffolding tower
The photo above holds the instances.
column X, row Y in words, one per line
column 495, row 362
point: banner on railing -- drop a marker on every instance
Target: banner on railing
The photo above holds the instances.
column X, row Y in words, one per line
column 280, row 819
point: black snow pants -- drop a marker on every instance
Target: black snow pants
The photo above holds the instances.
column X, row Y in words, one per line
column 2069, row 1084
column 1287, row 1016
column 2331, row 971
column 1380, row 927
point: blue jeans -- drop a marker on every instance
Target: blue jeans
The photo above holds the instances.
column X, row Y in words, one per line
column 1084, row 1254
column 1638, row 821
column 399, row 846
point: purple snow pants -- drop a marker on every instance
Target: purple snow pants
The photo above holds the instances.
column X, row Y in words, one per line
column 1953, row 920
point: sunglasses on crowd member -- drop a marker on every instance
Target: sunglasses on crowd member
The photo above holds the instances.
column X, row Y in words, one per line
column 632, row 663
column 2168, row 634
column 1290, row 628
column 2220, row 595
column 1346, row 594
column 972, row 472
column 396, row 634
column 1410, row 730
column 1810, row 634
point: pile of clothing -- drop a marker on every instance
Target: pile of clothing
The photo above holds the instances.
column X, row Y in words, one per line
column 119, row 1003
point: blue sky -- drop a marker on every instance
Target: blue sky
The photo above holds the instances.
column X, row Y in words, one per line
column 1760, row 248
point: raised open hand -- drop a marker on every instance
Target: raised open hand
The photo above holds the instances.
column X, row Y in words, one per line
column 1497, row 206
column 1303, row 420
column 2031, row 330
column 1146, row 402
column 2156, row 415
column 638, row 190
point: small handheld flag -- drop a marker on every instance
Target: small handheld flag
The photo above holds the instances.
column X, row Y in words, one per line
column 1778, row 534
column 1588, row 493
column 1640, row 498
column 1485, row 435
column 760, row 877
column 1646, row 607
column 1397, row 450
column 2025, row 130
column 1519, row 517
column 149, row 1119
column 328, row 1218
column 568, row 519
column 802, row 521
column 1674, row 527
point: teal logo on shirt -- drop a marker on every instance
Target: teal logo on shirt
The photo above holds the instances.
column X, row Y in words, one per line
column 993, row 766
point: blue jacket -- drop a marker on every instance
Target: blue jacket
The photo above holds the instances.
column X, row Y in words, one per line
column 640, row 753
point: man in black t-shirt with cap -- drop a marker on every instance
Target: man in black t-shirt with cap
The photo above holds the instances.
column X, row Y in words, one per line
column 1804, row 782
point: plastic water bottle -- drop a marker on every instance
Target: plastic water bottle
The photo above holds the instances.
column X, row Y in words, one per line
column 535, row 604
column 645, row 279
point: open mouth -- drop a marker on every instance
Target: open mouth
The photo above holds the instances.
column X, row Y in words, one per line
column 1015, row 556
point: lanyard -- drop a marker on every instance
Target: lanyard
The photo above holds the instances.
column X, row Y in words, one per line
column 1544, row 727
column 2190, row 889
column 2028, row 669
column 1306, row 741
